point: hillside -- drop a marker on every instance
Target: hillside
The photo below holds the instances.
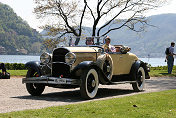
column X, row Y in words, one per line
column 16, row 36
column 152, row 42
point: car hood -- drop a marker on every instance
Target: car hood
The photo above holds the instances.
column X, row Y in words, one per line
column 83, row 49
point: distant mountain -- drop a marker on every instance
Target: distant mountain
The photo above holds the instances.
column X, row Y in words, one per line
column 151, row 43
column 16, row 36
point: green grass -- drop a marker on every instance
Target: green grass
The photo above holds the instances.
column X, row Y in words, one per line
column 149, row 105
column 17, row 72
column 161, row 71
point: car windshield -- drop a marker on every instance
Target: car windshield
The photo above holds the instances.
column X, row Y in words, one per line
column 86, row 41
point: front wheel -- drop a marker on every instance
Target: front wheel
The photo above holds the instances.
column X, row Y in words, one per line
column 89, row 83
column 140, row 80
column 33, row 88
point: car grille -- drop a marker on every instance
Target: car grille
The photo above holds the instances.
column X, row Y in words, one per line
column 60, row 70
column 59, row 54
column 59, row 67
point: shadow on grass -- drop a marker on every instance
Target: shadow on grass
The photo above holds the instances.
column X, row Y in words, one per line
column 169, row 75
column 164, row 74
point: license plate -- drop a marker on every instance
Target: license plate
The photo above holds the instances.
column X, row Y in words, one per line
column 61, row 81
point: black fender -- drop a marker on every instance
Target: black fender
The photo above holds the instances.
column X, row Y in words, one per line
column 136, row 66
column 34, row 65
column 147, row 70
column 77, row 71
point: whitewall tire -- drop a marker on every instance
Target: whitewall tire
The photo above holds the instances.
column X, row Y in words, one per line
column 140, row 80
column 89, row 83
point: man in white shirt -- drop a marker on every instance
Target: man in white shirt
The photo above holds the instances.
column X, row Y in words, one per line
column 107, row 47
column 170, row 58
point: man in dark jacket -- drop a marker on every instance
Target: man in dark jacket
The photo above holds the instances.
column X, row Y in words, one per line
column 170, row 58
column 2, row 66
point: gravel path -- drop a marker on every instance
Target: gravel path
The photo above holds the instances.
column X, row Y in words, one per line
column 14, row 96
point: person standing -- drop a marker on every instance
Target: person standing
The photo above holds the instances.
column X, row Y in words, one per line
column 2, row 66
column 170, row 58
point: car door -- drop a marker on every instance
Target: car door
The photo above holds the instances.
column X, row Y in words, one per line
column 122, row 63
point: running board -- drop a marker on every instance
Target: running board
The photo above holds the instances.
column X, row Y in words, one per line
column 122, row 82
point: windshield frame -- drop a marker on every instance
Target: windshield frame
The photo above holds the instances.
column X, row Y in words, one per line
column 98, row 41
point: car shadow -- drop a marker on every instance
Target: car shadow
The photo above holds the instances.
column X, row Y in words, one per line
column 75, row 96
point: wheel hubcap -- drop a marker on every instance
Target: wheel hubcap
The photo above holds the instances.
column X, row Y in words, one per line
column 107, row 68
column 91, row 83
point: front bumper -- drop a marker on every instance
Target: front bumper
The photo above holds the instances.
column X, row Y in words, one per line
column 51, row 80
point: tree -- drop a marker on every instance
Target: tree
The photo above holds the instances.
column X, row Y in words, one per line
column 69, row 16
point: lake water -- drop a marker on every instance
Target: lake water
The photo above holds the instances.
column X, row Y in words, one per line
column 18, row 58
column 26, row 58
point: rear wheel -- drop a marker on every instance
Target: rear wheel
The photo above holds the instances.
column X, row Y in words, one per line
column 33, row 88
column 89, row 83
column 140, row 80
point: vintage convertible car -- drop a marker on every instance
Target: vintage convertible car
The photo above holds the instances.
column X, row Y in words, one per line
column 85, row 67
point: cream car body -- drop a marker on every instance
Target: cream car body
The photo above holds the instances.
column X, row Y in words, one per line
column 85, row 67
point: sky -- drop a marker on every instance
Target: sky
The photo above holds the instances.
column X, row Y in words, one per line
column 24, row 9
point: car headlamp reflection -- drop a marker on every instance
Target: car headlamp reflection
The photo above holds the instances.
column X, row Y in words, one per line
column 45, row 58
column 70, row 58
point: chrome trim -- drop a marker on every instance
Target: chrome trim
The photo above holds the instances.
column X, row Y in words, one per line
column 85, row 52
column 51, row 80
column 70, row 58
column 49, row 56
column 123, row 82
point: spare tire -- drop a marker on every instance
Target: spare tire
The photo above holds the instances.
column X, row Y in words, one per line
column 105, row 62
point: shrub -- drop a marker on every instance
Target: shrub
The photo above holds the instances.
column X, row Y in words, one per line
column 15, row 66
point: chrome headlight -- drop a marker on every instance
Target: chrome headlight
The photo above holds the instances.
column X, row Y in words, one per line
column 70, row 58
column 45, row 58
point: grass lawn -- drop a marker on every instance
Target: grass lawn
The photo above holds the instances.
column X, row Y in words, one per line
column 149, row 105
column 162, row 72
column 17, row 72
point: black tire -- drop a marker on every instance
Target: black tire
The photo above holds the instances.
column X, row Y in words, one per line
column 89, row 83
column 33, row 88
column 140, row 80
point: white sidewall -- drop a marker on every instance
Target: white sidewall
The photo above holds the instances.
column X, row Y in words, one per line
column 141, row 69
column 94, row 92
